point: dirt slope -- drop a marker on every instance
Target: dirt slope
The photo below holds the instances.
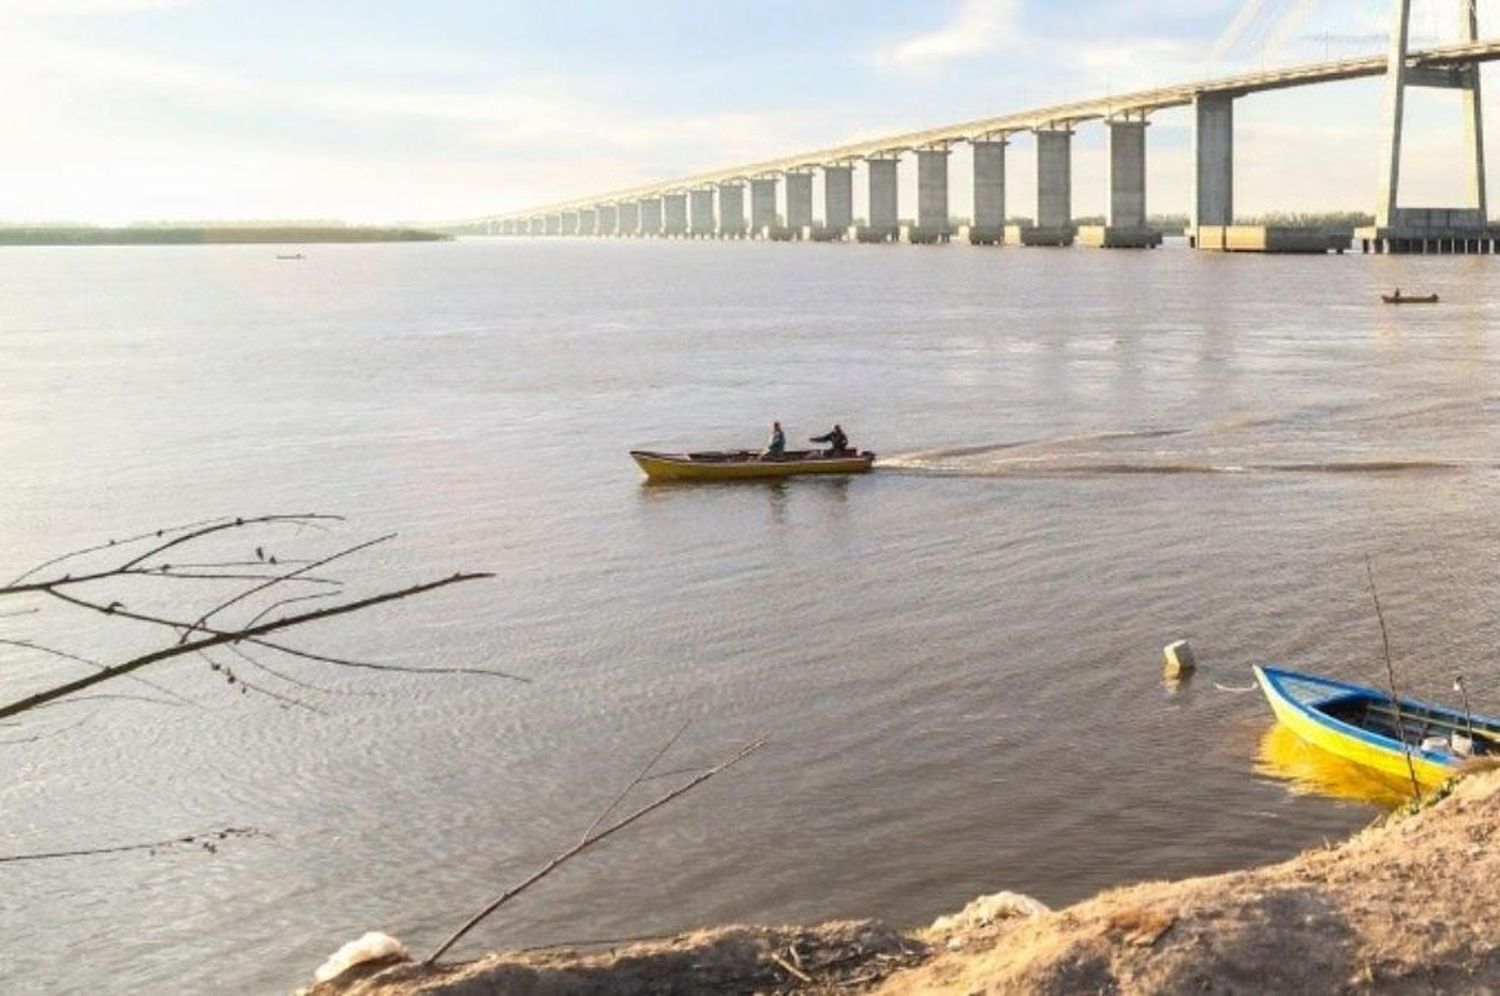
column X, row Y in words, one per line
column 1412, row 906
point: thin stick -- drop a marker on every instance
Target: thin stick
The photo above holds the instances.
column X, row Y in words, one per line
column 1390, row 673
column 634, row 782
column 583, row 845
column 790, row 969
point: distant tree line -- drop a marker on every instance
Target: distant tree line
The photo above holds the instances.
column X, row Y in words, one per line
column 1328, row 221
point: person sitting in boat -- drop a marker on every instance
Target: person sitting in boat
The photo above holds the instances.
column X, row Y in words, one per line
column 776, row 448
column 837, row 442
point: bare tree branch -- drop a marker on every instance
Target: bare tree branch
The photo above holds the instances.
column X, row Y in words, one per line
column 191, row 531
column 120, row 696
column 287, row 601
column 588, row 842
column 206, row 839
column 290, row 575
column 246, row 685
column 268, row 669
column 215, row 637
column 372, row 666
column 109, row 544
column 94, row 664
column 238, row 523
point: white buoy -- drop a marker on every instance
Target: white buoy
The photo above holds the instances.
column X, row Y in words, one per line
column 1180, row 663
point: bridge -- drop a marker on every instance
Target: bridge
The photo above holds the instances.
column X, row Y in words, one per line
column 712, row 204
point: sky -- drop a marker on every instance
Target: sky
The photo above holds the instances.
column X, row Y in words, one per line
column 442, row 110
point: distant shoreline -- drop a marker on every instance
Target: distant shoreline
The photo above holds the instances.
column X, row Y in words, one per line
column 146, row 235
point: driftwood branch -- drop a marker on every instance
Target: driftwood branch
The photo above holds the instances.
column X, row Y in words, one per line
column 589, row 841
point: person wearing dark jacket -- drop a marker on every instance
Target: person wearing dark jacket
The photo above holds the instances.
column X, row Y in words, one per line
column 835, row 438
column 776, row 448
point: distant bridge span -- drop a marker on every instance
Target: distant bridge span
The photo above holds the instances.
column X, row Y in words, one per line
column 685, row 206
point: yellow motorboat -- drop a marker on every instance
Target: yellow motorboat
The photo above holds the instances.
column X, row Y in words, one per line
column 744, row 465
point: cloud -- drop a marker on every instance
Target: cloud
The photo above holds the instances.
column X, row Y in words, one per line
column 980, row 26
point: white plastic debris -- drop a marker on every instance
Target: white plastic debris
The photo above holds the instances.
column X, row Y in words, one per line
column 987, row 909
column 374, row 946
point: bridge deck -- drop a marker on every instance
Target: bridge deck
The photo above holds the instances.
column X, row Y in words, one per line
column 1055, row 116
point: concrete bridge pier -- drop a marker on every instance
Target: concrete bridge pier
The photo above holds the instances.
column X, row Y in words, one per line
column 588, row 221
column 674, row 219
column 732, row 210
column 1446, row 229
column 798, row 184
column 1054, row 192
column 569, row 223
column 702, row 224
column 762, row 206
column 554, row 224
column 883, row 223
column 1125, row 224
column 629, row 215
column 988, row 227
column 838, row 204
column 651, row 216
column 932, row 199
column 1213, row 171
column 609, row 219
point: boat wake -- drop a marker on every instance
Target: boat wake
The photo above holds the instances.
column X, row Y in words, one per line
column 1046, row 467
column 1117, row 453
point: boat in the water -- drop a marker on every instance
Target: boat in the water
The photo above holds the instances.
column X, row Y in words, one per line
column 1368, row 727
column 740, row 465
column 1399, row 298
column 290, row 255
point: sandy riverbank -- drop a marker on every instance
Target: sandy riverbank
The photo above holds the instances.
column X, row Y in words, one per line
column 1406, row 906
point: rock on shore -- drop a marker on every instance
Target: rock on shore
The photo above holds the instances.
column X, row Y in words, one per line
column 1411, row 905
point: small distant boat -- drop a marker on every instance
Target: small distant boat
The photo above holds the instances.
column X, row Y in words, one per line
column 1399, row 298
column 737, row 465
column 1360, row 724
column 294, row 255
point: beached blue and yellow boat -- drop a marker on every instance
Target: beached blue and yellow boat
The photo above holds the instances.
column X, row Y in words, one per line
column 740, row 465
column 1368, row 727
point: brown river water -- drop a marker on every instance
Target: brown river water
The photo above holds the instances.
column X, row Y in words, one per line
column 1084, row 456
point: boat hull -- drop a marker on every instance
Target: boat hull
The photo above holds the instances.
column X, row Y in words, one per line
column 744, row 467
column 1304, row 715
